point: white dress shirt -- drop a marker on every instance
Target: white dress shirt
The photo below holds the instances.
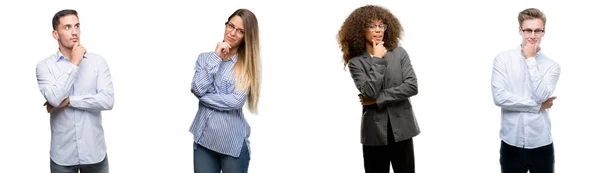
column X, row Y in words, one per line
column 77, row 134
column 519, row 86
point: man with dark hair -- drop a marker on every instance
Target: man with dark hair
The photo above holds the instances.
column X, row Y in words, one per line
column 77, row 86
column 523, row 81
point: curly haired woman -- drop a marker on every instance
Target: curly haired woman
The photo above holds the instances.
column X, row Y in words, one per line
column 383, row 74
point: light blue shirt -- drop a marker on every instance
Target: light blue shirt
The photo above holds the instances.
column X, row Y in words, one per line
column 219, row 124
column 519, row 87
column 77, row 135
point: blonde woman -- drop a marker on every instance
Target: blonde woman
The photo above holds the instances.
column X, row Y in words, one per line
column 224, row 80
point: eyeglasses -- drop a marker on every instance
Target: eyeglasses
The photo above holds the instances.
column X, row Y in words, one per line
column 373, row 27
column 536, row 32
column 230, row 27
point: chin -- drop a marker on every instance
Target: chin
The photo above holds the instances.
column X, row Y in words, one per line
column 68, row 46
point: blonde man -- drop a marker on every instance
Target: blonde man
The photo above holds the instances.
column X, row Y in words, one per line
column 523, row 81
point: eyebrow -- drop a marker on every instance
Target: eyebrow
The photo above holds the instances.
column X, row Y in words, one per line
column 533, row 28
column 69, row 25
column 229, row 23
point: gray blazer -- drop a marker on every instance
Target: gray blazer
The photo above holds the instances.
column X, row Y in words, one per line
column 391, row 81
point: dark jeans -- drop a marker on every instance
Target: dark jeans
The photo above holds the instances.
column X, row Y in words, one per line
column 519, row 160
column 100, row 167
column 401, row 154
column 208, row 161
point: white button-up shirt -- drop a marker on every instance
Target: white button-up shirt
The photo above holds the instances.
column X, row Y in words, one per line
column 77, row 134
column 519, row 86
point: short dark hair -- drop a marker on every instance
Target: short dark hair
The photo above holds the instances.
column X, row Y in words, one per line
column 61, row 13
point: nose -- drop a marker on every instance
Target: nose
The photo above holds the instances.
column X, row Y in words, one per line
column 232, row 33
column 74, row 31
column 378, row 29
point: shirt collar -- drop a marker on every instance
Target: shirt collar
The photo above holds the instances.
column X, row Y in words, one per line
column 60, row 56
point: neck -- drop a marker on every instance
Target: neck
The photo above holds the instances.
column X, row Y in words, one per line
column 66, row 52
column 369, row 47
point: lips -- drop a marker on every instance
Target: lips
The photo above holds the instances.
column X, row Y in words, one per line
column 230, row 39
column 532, row 41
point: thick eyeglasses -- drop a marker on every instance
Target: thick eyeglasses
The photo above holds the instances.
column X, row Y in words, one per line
column 373, row 27
column 230, row 27
column 536, row 32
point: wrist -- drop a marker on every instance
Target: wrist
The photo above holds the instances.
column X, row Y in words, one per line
column 66, row 102
column 75, row 62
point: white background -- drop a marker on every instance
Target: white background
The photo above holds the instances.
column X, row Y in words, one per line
column 309, row 117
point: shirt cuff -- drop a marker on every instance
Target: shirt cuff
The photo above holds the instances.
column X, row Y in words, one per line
column 73, row 68
column 75, row 101
column 537, row 108
column 214, row 59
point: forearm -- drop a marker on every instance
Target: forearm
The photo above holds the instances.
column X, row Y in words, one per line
column 369, row 77
column 514, row 103
column 398, row 93
column 542, row 85
column 55, row 90
column 206, row 67
column 103, row 99
column 224, row 102
column 503, row 97
column 97, row 102
column 406, row 89
column 201, row 83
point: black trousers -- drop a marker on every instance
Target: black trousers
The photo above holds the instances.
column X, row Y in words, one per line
column 519, row 160
column 401, row 154
column 100, row 167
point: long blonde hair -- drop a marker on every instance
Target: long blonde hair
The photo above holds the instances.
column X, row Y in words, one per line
column 248, row 68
